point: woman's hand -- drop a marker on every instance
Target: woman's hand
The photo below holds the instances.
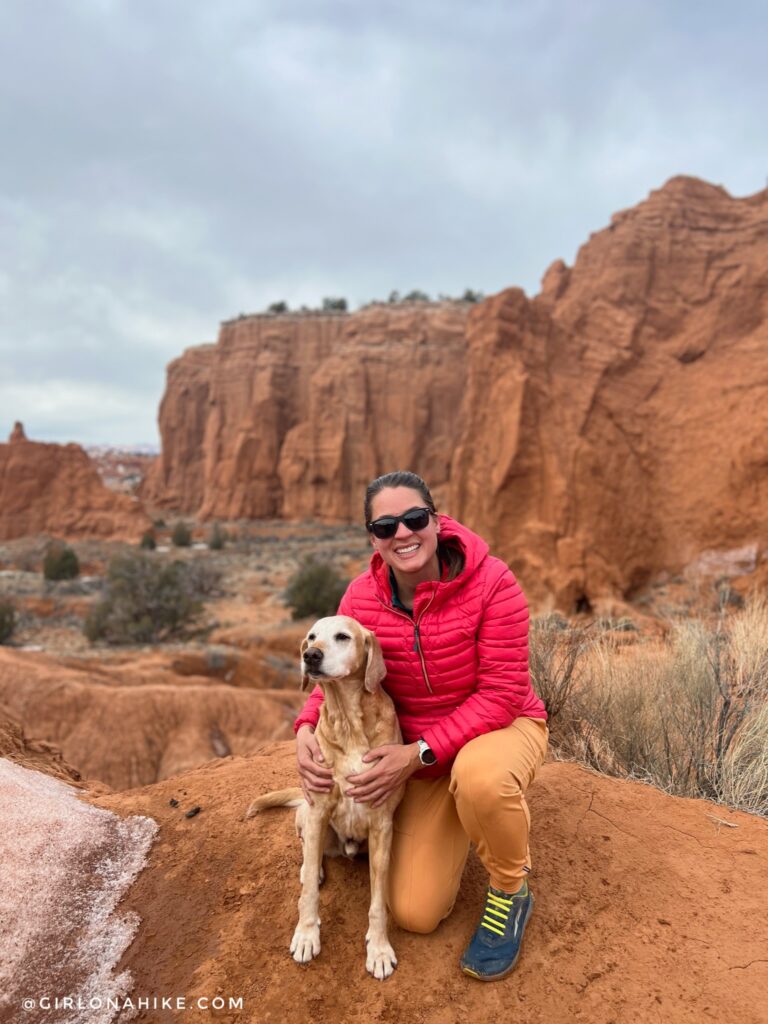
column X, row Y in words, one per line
column 397, row 763
column 315, row 777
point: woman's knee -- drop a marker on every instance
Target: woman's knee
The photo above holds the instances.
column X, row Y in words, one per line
column 417, row 918
column 483, row 783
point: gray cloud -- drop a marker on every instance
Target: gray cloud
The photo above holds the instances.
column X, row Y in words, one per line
column 168, row 165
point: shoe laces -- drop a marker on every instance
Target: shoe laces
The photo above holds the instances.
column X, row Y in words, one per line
column 497, row 909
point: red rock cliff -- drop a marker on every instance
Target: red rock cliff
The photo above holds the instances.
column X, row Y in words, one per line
column 617, row 424
column 292, row 415
column 55, row 489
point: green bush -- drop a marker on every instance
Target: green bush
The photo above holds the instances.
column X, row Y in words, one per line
column 335, row 304
column 277, row 307
column 60, row 562
column 182, row 535
column 148, row 542
column 145, row 602
column 216, row 538
column 7, row 620
column 314, row 590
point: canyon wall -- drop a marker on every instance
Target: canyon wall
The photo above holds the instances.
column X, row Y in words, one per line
column 293, row 415
column 612, row 427
column 617, row 424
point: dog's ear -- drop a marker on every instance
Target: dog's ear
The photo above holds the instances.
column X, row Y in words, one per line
column 375, row 669
column 306, row 682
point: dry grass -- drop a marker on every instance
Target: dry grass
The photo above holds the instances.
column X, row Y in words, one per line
column 688, row 714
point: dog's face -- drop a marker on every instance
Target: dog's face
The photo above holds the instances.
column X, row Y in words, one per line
column 338, row 647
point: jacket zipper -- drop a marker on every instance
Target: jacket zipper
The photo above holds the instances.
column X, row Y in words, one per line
column 416, row 644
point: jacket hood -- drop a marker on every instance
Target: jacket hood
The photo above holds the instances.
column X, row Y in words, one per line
column 452, row 533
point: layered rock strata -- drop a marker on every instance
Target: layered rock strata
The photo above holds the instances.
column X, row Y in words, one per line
column 292, row 415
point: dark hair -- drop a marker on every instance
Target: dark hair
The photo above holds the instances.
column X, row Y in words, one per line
column 451, row 554
column 400, row 478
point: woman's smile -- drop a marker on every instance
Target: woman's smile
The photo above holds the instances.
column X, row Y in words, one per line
column 407, row 550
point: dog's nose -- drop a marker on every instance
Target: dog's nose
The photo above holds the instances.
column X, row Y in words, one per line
column 313, row 656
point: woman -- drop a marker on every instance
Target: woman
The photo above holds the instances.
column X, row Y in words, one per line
column 453, row 625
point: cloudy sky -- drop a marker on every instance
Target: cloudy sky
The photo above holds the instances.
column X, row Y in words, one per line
column 167, row 164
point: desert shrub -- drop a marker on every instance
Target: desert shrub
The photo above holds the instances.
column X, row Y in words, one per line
column 145, row 602
column 314, row 590
column 216, row 538
column 60, row 562
column 181, row 536
column 148, row 542
column 277, row 307
column 7, row 620
column 470, row 295
column 417, row 295
column 689, row 714
column 203, row 579
column 555, row 652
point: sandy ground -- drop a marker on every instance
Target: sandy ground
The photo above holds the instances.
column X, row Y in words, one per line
column 649, row 909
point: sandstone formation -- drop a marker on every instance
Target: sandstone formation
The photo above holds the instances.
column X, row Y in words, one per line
column 55, row 489
column 610, row 429
column 616, row 425
column 175, row 480
column 126, row 727
column 632, row 889
column 293, row 415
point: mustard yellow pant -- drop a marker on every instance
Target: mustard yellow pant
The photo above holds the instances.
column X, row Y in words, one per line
column 483, row 802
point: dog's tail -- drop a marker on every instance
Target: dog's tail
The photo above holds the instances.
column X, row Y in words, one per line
column 280, row 798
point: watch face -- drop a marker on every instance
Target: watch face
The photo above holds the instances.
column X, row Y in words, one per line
column 426, row 755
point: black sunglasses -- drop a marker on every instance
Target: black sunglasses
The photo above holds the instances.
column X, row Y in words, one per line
column 386, row 526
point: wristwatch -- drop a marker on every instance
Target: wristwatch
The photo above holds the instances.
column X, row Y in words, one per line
column 426, row 754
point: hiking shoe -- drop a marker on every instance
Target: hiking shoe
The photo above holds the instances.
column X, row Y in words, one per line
column 495, row 946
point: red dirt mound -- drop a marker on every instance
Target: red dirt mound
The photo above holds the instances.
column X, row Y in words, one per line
column 648, row 910
column 39, row 755
column 130, row 726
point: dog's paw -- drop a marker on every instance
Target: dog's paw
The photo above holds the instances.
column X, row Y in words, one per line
column 305, row 943
column 380, row 960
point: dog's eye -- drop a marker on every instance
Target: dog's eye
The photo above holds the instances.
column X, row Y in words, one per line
column 311, row 636
column 341, row 637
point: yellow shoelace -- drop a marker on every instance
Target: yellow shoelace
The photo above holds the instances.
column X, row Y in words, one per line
column 496, row 913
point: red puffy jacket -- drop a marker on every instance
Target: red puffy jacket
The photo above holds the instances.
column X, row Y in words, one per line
column 459, row 667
